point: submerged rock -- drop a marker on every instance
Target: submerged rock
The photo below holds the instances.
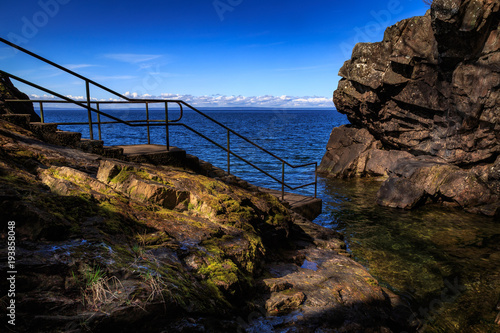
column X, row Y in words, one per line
column 429, row 88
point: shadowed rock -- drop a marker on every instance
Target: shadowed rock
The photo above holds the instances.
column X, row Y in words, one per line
column 8, row 91
column 429, row 88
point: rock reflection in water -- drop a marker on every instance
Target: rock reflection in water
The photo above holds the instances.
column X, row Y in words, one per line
column 444, row 261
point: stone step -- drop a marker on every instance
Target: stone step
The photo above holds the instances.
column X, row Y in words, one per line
column 42, row 129
column 308, row 207
column 21, row 120
column 65, row 138
column 154, row 154
column 193, row 162
column 113, row 152
column 91, row 146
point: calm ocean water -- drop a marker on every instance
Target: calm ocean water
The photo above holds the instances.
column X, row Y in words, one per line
column 444, row 262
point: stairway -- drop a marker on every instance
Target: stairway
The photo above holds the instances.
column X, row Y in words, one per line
column 306, row 206
column 152, row 154
column 145, row 153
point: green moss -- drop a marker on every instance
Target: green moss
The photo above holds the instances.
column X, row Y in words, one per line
column 215, row 187
column 9, row 178
column 113, row 219
column 223, row 273
column 152, row 239
column 213, row 246
column 122, row 176
column 25, row 153
column 276, row 219
column 73, row 208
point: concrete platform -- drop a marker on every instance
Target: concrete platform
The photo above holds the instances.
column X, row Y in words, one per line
column 154, row 154
column 308, row 207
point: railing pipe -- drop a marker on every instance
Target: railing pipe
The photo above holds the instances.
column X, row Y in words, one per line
column 147, row 120
column 98, row 121
column 166, row 126
column 282, row 180
column 228, row 154
column 232, row 153
column 68, row 100
column 42, row 117
column 89, row 110
column 166, row 121
column 315, row 179
column 63, row 68
column 242, row 137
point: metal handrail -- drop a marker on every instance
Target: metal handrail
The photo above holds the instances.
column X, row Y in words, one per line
column 34, row 55
column 148, row 122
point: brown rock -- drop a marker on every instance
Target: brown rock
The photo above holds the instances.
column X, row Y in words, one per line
column 416, row 181
column 138, row 183
column 285, row 303
column 429, row 88
column 346, row 150
column 355, row 152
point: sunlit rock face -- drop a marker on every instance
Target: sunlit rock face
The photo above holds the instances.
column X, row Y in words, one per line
column 430, row 89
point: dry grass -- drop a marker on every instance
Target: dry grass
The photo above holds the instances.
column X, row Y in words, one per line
column 99, row 290
column 156, row 287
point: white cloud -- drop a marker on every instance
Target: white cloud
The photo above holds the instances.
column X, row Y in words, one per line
column 251, row 101
column 269, row 101
column 132, row 58
column 78, row 66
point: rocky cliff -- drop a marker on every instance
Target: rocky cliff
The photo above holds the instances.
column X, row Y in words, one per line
column 107, row 245
column 424, row 108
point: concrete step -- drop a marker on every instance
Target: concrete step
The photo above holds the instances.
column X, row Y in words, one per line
column 193, row 163
column 113, row 152
column 154, row 154
column 308, row 207
column 65, row 138
column 21, row 120
column 91, row 146
column 42, row 129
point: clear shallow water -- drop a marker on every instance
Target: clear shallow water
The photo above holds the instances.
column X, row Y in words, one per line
column 444, row 262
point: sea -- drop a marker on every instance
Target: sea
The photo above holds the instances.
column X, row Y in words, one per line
column 444, row 262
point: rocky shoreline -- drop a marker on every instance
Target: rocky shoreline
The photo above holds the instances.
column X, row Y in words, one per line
column 103, row 243
column 424, row 108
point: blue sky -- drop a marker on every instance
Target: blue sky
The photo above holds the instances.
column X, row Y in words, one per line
column 207, row 52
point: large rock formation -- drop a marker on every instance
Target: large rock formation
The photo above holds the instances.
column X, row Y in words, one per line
column 425, row 102
column 8, row 91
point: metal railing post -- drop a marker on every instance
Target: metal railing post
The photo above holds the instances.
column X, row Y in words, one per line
column 166, row 126
column 147, row 121
column 89, row 110
column 42, row 118
column 282, row 180
column 98, row 121
column 228, row 154
column 315, row 179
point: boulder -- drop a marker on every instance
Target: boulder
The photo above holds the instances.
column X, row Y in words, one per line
column 431, row 88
